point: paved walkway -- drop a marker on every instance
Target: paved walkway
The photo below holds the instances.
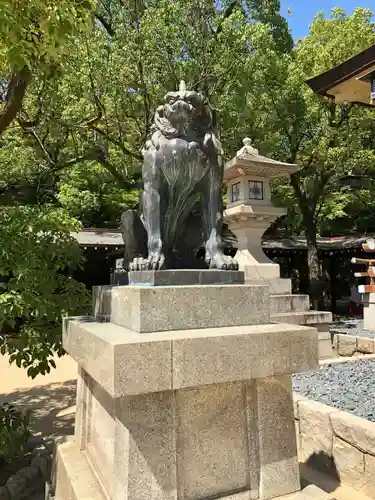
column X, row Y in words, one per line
column 51, row 398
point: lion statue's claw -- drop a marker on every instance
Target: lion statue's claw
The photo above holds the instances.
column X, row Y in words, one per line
column 221, row 261
column 154, row 262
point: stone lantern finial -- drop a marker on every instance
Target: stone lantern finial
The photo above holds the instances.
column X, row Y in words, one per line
column 247, row 149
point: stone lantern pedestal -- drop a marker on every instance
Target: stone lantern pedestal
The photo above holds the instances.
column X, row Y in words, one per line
column 249, row 224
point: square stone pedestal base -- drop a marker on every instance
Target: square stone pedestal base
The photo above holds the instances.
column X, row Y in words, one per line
column 78, row 481
column 183, row 415
column 184, row 393
column 209, row 442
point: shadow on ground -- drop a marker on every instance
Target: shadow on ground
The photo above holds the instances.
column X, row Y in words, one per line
column 320, row 469
column 52, row 407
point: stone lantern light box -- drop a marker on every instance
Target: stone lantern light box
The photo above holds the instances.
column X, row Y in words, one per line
column 249, row 209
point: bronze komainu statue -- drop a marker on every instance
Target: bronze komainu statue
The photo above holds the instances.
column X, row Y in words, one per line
column 183, row 165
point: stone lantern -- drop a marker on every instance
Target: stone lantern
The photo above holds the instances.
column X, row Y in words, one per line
column 250, row 211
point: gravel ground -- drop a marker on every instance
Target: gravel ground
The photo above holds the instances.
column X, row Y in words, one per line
column 347, row 386
column 352, row 327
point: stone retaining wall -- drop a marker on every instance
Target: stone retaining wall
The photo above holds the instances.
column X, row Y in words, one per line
column 28, row 480
column 348, row 345
column 337, row 443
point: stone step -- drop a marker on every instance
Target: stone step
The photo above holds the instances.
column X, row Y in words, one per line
column 320, row 320
column 303, row 317
column 289, row 303
column 75, row 478
column 309, row 493
column 277, row 286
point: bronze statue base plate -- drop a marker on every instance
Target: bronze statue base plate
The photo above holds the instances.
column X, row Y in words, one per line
column 176, row 277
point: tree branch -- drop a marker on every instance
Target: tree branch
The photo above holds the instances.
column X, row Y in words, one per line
column 146, row 100
column 117, row 143
column 31, row 131
column 106, row 25
column 227, row 13
column 121, row 179
column 69, row 163
column 55, row 165
column 33, row 122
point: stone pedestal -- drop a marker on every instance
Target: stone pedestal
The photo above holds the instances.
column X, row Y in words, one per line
column 184, row 395
column 249, row 226
column 369, row 311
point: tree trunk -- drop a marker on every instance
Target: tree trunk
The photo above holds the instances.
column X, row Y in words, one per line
column 14, row 97
column 308, row 210
column 314, row 265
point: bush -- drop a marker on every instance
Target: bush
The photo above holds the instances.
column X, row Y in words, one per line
column 14, row 431
column 38, row 256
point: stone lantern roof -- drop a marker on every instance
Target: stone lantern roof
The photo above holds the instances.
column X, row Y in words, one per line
column 248, row 161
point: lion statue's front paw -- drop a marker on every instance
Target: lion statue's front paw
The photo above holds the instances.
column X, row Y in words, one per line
column 154, row 262
column 221, row 261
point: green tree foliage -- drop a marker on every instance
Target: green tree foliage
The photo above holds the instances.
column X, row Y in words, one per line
column 75, row 144
column 38, row 253
column 268, row 12
column 37, row 257
column 89, row 193
column 99, row 113
column 14, row 431
column 34, row 34
column 324, row 138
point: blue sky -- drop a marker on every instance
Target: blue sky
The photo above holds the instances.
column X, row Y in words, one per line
column 303, row 11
